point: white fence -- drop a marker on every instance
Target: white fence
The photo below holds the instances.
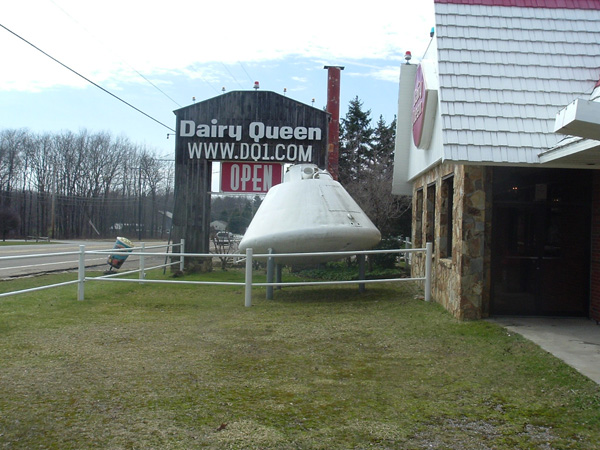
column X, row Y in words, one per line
column 81, row 258
column 249, row 258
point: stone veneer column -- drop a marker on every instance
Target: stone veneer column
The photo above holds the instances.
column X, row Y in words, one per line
column 472, row 267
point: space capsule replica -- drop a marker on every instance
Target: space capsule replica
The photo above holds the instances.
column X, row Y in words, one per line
column 309, row 212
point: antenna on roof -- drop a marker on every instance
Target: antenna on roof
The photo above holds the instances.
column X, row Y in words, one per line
column 431, row 34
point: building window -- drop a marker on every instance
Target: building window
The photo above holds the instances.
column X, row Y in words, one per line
column 430, row 218
column 418, row 238
column 447, row 204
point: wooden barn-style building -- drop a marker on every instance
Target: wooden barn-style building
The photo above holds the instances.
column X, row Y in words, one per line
column 251, row 127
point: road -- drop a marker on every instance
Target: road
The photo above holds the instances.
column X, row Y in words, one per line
column 53, row 263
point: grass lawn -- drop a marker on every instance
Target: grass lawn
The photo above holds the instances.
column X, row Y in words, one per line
column 184, row 367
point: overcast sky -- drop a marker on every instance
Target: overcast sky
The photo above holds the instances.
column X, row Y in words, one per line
column 159, row 56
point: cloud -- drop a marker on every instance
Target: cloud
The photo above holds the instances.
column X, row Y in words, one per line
column 105, row 40
column 390, row 74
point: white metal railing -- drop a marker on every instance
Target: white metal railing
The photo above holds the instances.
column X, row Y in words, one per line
column 249, row 258
column 81, row 265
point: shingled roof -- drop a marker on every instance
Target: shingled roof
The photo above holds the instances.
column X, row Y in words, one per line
column 506, row 68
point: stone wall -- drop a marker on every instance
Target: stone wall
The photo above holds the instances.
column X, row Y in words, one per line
column 461, row 277
column 473, row 268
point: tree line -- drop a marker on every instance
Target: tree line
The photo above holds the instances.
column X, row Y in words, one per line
column 77, row 185
column 68, row 185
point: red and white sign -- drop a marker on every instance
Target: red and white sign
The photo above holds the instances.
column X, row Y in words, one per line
column 423, row 112
column 250, row 177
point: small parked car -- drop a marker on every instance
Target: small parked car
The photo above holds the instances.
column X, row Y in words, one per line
column 223, row 238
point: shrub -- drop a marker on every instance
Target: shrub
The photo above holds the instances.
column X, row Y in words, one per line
column 386, row 260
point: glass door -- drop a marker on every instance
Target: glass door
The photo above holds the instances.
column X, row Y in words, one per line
column 540, row 242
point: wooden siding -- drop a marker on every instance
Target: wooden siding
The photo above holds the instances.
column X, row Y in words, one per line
column 191, row 214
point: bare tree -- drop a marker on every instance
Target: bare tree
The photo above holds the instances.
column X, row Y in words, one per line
column 374, row 195
column 73, row 184
column 11, row 152
column 9, row 220
column 41, row 156
column 153, row 177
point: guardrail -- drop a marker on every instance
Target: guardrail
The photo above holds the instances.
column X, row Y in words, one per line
column 37, row 238
column 249, row 258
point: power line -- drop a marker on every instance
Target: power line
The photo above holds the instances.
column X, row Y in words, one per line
column 193, row 67
column 234, row 78
column 87, row 79
column 130, row 66
column 249, row 77
column 155, row 86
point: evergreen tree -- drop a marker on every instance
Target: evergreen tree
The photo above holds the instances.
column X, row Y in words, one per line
column 356, row 146
column 366, row 169
column 384, row 141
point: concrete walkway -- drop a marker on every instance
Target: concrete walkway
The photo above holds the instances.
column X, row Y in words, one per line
column 574, row 340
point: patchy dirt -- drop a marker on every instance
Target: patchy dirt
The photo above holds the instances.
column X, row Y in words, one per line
column 466, row 434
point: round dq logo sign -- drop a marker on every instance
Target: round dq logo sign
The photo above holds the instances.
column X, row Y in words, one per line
column 423, row 111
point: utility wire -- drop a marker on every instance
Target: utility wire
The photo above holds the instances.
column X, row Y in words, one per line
column 130, row 66
column 249, row 77
column 193, row 67
column 234, row 78
column 155, row 86
column 87, row 79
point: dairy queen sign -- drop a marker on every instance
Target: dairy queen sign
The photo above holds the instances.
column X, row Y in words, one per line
column 251, row 126
column 252, row 134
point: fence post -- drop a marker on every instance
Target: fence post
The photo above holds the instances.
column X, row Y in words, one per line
column 142, row 262
column 278, row 268
column 81, row 274
column 407, row 256
column 181, row 250
column 361, row 271
column 248, row 291
column 428, row 263
column 270, row 271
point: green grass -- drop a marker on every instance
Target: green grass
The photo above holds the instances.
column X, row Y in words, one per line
column 183, row 367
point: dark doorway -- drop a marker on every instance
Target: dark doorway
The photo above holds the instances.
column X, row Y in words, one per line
column 540, row 241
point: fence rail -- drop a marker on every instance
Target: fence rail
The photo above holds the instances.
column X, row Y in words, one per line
column 81, row 253
column 248, row 257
